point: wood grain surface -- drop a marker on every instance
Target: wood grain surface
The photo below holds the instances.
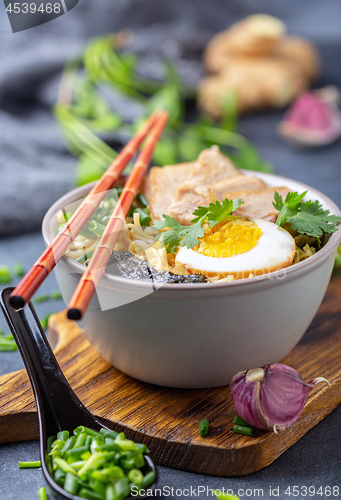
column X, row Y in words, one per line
column 167, row 419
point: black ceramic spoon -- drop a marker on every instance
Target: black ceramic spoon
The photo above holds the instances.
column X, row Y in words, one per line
column 58, row 406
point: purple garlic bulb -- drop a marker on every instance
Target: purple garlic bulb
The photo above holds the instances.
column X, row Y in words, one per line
column 271, row 397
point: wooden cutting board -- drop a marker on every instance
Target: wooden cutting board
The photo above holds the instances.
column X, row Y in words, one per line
column 167, row 419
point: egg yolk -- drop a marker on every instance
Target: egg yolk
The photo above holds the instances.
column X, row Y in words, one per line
column 233, row 236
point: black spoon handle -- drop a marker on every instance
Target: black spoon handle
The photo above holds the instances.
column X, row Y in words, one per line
column 58, row 406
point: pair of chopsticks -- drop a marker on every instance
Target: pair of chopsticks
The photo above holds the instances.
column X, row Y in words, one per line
column 81, row 298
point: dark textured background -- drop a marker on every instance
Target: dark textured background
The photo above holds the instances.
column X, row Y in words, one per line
column 35, row 169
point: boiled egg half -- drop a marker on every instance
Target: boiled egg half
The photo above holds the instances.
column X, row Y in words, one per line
column 239, row 247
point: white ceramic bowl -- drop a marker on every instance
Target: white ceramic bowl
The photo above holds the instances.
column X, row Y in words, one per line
column 200, row 335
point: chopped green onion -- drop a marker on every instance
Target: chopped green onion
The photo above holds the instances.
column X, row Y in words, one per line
column 204, row 427
column 7, row 342
column 142, row 199
column 148, row 479
column 98, row 465
column 63, row 435
column 44, row 322
column 65, row 467
column 240, row 429
column 55, row 294
column 5, row 274
column 19, row 269
column 239, row 421
column 122, row 488
column 91, row 495
column 71, row 483
column 84, row 430
column 29, row 465
column 59, row 477
column 83, row 258
column 224, row 496
column 135, row 476
column 42, row 494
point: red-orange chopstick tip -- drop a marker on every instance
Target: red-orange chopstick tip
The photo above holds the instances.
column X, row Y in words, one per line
column 87, row 285
column 54, row 252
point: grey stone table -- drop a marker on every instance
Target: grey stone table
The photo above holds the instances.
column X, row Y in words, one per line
column 314, row 461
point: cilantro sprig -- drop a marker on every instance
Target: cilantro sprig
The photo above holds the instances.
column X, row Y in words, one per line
column 217, row 212
column 188, row 236
column 304, row 217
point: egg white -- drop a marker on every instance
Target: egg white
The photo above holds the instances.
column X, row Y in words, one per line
column 274, row 250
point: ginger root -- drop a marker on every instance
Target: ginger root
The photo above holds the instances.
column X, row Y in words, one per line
column 254, row 60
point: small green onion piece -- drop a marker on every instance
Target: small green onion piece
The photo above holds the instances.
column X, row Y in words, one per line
column 128, row 464
column 91, row 495
column 239, row 421
column 6, row 340
column 77, row 465
column 86, row 455
column 85, row 257
column 59, row 477
column 204, row 427
column 62, row 464
column 148, row 479
column 125, row 444
column 97, row 486
column 108, row 474
column 71, row 483
column 55, row 294
column 5, row 274
column 45, row 320
column 122, row 488
column 107, row 433
column 135, row 476
column 110, row 492
column 8, row 348
column 248, row 431
column 50, row 441
column 69, row 444
column 81, row 439
column 120, row 437
column 95, row 461
column 63, row 435
column 42, row 494
column 142, row 447
column 81, row 429
column 139, row 461
column 224, row 496
column 57, row 445
column 19, row 269
column 107, row 447
column 142, row 199
column 95, row 444
column 41, row 298
column 75, row 453
column 29, row 465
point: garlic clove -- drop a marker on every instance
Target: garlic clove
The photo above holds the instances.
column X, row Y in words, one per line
column 313, row 120
column 271, row 397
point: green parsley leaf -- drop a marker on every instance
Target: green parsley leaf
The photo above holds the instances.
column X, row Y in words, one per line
column 217, row 212
column 178, row 234
column 305, row 217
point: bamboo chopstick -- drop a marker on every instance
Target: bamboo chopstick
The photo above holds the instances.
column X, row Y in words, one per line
column 90, row 279
column 54, row 252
